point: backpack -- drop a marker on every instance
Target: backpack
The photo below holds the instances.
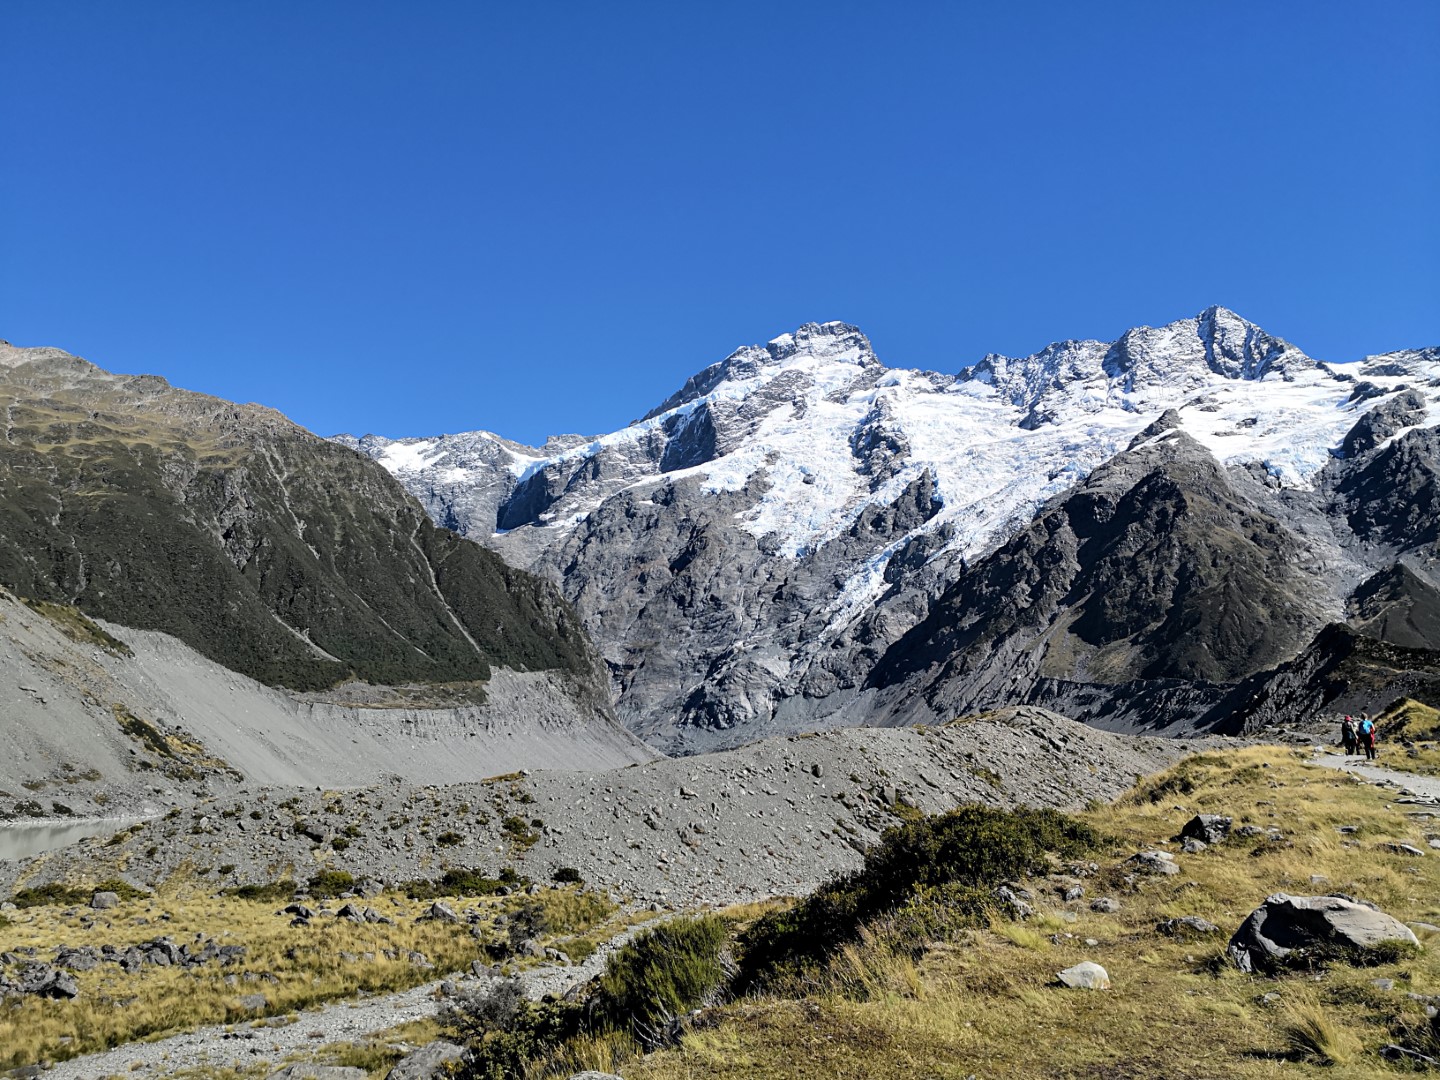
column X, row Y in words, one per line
column 1367, row 727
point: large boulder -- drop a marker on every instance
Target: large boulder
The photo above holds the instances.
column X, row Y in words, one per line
column 1207, row 828
column 427, row 1063
column 1295, row 930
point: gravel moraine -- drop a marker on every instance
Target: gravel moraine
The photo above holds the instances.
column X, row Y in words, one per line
column 774, row 818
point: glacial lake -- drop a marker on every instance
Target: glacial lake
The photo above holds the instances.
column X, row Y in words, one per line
column 20, row 840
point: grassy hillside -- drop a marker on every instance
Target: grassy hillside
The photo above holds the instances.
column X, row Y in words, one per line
column 983, row 1001
column 271, row 551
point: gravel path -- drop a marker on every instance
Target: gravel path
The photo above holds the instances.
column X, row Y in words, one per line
column 241, row 1047
column 1427, row 787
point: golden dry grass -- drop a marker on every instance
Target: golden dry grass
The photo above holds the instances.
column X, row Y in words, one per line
column 987, row 1004
column 296, row 966
column 1416, row 723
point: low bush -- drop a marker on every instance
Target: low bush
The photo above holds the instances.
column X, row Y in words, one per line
column 328, row 884
column 653, row 980
column 929, row 874
column 519, row 831
column 661, row 975
column 459, row 881
column 273, row 891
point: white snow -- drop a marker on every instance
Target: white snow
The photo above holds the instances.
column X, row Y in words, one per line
column 1087, row 401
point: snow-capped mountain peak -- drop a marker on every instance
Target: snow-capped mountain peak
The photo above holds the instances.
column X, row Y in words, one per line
column 828, row 343
column 828, row 431
column 1182, row 355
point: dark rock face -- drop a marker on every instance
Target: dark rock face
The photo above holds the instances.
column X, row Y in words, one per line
column 1391, row 497
column 276, row 553
column 1380, row 423
column 639, row 575
column 1340, row 671
column 1155, row 570
column 1398, row 606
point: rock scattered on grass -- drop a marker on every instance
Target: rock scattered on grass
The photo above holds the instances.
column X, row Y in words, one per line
column 1086, row 975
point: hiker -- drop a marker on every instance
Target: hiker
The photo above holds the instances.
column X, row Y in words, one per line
column 1367, row 736
column 1349, row 734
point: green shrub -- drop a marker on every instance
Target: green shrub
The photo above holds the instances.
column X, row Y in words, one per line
column 57, row 893
column 328, row 884
column 927, row 873
column 283, row 889
column 519, row 831
column 662, row 974
column 458, row 881
column 566, row 875
column 449, row 838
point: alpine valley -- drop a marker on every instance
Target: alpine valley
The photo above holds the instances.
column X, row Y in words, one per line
column 1193, row 527
column 832, row 719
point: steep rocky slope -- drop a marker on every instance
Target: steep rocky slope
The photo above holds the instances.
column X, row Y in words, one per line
column 763, row 550
column 105, row 720
column 1154, row 574
column 272, row 552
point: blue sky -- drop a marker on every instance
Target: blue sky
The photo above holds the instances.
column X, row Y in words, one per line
column 542, row 217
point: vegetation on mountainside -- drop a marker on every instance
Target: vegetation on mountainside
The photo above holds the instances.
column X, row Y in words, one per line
column 927, row 874
column 275, row 553
column 74, row 625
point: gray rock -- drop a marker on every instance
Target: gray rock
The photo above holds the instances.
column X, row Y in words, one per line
column 1186, row 926
column 1289, row 929
column 1086, row 975
column 441, row 913
column 427, row 1063
column 253, row 1002
column 103, row 901
column 1106, row 905
column 59, row 985
column 1191, row 846
column 1010, row 898
column 318, row 1072
column 1207, row 828
column 318, row 833
column 1154, row 862
column 592, row 1075
column 1404, row 849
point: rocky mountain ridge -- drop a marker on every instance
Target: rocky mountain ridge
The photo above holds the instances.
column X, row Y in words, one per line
column 750, row 556
column 241, row 543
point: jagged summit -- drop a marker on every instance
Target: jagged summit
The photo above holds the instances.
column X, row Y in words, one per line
column 1182, row 355
column 831, row 342
column 795, row 507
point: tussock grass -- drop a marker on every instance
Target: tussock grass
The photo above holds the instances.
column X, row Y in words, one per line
column 1314, row 1032
column 1410, row 720
column 294, row 967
